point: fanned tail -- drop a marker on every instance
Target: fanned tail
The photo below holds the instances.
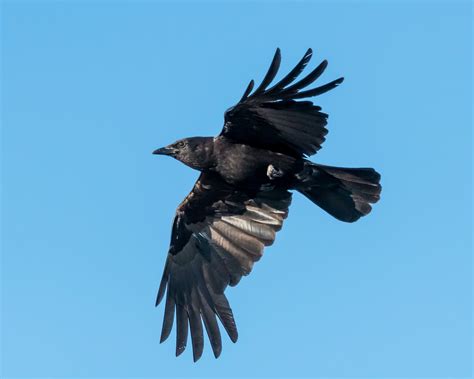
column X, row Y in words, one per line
column 345, row 193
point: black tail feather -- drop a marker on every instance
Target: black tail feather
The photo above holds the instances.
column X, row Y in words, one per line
column 345, row 193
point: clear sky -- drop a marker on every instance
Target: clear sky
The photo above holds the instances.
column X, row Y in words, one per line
column 91, row 88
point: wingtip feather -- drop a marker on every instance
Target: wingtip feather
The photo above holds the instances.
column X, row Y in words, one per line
column 180, row 350
column 247, row 90
column 217, row 352
column 196, row 356
column 271, row 73
column 158, row 299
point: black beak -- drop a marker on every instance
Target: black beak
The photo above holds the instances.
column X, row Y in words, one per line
column 164, row 151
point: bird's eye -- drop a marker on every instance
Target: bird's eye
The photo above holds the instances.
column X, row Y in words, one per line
column 180, row 144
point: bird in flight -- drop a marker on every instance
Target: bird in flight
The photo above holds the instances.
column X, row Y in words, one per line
column 242, row 196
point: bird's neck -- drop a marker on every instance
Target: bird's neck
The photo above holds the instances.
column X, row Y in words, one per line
column 203, row 158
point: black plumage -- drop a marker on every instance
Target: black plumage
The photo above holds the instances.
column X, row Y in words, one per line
column 242, row 196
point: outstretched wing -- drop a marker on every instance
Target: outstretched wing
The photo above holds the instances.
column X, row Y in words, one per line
column 218, row 233
column 270, row 118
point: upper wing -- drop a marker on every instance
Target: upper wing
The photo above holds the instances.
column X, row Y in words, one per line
column 218, row 233
column 271, row 118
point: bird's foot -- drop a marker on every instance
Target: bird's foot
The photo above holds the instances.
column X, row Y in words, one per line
column 274, row 173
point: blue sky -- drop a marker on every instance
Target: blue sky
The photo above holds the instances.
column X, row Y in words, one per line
column 89, row 89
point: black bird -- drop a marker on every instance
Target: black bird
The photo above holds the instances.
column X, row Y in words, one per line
column 242, row 197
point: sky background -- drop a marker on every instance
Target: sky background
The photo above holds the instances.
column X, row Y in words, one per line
column 89, row 89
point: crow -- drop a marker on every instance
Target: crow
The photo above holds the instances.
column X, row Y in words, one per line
column 243, row 194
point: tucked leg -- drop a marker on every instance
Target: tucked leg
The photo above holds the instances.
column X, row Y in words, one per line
column 274, row 173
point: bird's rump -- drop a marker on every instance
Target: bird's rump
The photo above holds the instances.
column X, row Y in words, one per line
column 218, row 233
column 272, row 119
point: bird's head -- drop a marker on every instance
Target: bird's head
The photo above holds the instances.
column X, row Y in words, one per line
column 196, row 152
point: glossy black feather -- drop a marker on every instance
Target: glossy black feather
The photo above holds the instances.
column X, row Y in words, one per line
column 248, row 123
column 168, row 317
column 195, row 323
column 218, row 247
column 319, row 90
column 181, row 329
column 212, row 328
column 162, row 289
column 306, row 81
column 345, row 193
column 242, row 197
column 271, row 73
column 247, row 90
column 298, row 69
